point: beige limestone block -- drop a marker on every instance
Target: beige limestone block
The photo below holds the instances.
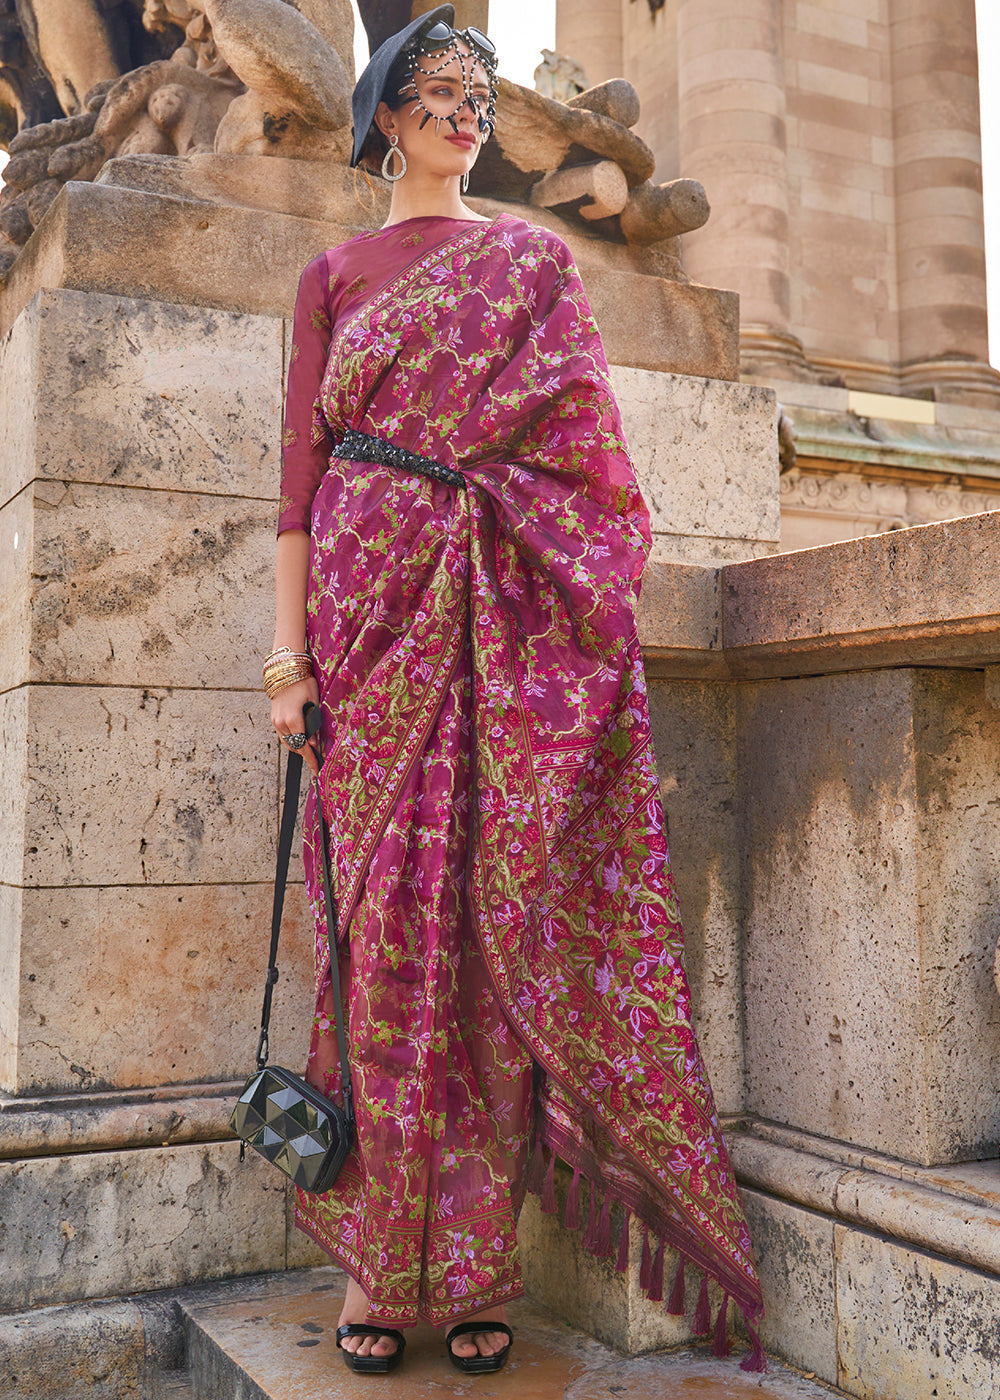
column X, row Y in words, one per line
column 150, row 587
column 833, row 54
column 832, row 139
column 830, row 24
column 957, row 732
column 143, row 393
column 830, row 198
column 705, row 453
column 653, row 324
column 134, row 787
column 588, row 1292
column 834, row 82
column 794, row 1253
column 832, row 930
column 871, row 1012
column 841, row 114
column 695, row 744
column 11, row 897
column 841, row 170
column 912, row 1326
column 707, row 549
column 18, row 404
column 14, row 708
column 167, row 985
column 16, row 552
column 94, row 1224
column 927, row 593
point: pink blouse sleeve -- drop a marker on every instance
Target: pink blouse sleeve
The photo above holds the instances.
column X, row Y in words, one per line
column 306, row 439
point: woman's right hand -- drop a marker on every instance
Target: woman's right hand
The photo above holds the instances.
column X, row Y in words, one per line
column 286, row 716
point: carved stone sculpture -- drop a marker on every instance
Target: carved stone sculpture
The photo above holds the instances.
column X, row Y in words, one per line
column 559, row 77
column 274, row 77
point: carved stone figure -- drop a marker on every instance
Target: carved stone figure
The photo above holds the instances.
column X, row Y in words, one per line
column 559, row 76
column 268, row 77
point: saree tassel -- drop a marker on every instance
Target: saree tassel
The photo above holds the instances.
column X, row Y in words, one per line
column 655, row 1293
column 703, row 1312
column 675, row 1303
column 572, row 1217
column 646, row 1267
column 755, row 1360
column 549, row 1187
column 621, row 1263
column 602, row 1247
column 720, row 1342
column 536, row 1169
column 590, row 1234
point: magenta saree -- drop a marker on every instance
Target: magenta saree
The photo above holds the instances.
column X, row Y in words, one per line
column 509, row 930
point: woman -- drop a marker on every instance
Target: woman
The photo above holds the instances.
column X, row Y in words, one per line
column 509, row 936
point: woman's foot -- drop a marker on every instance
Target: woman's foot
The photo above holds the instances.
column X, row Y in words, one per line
column 373, row 1343
column 481, row 1344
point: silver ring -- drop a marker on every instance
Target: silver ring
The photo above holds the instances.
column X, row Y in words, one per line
column 294, row 741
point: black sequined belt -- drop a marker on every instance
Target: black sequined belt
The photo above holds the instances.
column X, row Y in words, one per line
column 363, row 447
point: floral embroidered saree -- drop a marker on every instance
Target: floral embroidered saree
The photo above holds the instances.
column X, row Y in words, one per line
column 509, row 934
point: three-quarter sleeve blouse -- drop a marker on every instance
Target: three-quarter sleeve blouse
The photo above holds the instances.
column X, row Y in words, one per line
column 306, row 439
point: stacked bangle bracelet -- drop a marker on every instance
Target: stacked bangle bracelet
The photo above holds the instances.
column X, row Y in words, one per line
column 284, row 667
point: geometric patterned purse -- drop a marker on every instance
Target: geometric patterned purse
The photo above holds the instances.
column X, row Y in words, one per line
column 278, row 1114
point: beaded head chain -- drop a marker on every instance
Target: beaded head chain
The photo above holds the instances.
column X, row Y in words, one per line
column 443, row 42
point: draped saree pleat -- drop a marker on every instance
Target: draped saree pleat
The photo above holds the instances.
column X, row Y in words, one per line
column 510, row 938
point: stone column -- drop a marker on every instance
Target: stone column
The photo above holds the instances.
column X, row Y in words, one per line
column 939, row 206
column 592, row 34
column 731, row 115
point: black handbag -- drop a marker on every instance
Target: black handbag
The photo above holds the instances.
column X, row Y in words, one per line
column 278, row 1114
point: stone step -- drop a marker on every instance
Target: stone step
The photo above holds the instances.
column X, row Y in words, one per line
column 275, row 1339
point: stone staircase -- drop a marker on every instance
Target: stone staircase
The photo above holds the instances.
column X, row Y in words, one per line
column 274, row 1339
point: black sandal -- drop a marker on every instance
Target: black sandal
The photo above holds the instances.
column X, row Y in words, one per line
column 371, row 1365
column 478, row 1365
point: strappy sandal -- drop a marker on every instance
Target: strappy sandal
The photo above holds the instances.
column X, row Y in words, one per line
column 478, row 1365
column 371, row 1365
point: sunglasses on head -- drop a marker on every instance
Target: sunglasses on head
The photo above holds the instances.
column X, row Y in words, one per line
column 441, row 34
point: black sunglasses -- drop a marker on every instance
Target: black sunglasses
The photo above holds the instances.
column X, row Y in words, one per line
column 440, row 34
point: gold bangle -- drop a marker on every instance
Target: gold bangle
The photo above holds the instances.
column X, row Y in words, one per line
column 275, row 684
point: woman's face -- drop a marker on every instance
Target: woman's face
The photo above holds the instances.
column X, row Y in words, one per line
column 447, row 142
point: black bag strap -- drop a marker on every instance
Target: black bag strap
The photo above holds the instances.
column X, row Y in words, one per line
column 312, row 718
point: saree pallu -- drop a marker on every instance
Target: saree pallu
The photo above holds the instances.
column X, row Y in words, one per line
column 509, row 927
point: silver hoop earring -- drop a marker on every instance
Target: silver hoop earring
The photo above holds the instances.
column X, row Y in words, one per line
column 465, row 182
column 393, row 150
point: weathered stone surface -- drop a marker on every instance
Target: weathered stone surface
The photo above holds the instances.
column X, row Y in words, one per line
column 309, row 189
column 10, row 972
column 18, row 404
column 14, row 788
column 16, row 532
column 110, row 1349
column 119, row 949
column 94, row 1224
column 274, row 1339
column 706, row 454
column 136, row 787
column 588, row 1293
column 149, row 587
column 54, row 1124
column 143, row 393
column 870, row 920
column 912, row 1326
column 931, row 593
column 794, row 1253
column 237, row 259
column 695, row 742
